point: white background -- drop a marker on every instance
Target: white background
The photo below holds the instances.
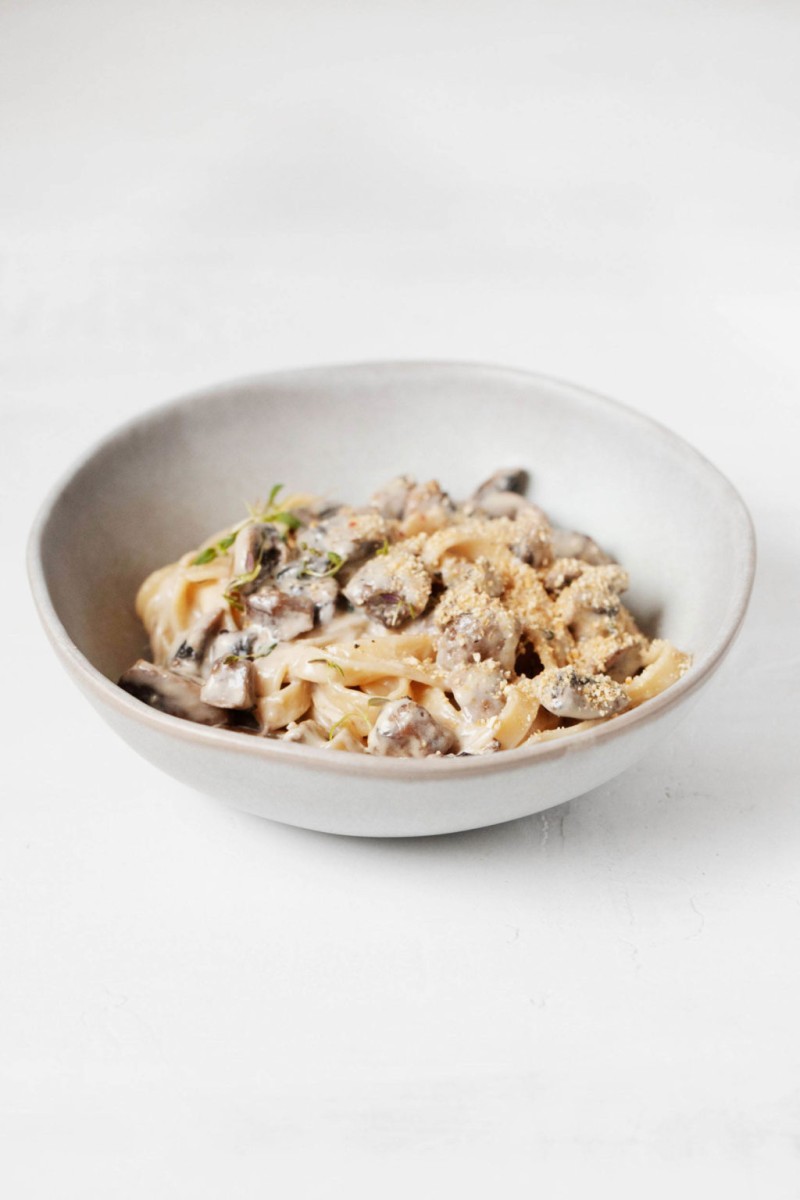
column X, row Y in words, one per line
column 602, row 1000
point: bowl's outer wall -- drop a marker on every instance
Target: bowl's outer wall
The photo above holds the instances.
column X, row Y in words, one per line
column 169, row 479
column 403, row 808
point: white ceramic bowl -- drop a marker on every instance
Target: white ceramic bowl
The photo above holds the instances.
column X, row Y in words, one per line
column 166, row 479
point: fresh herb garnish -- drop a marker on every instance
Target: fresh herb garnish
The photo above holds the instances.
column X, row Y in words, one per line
column 231, row 659
column 271, row 512
column 328, row 663
column 334, row 729
column 285, row 518
column 335, row 561
column 376, row 701
column 234, row 587
column 384, row 548
column 211, row 552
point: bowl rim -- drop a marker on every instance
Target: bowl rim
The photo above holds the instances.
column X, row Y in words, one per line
column 322, row 759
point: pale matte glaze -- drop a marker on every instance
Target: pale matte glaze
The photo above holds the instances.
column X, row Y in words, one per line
column 169, row 478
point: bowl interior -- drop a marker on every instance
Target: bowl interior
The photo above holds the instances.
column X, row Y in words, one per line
column 174, row 476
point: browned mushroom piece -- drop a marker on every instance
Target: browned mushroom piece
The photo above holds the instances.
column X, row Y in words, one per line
column 191, row 651
column 240, row 642
column 391, row 500
column 478, row 689
column 620, row 656
column 423, row 497
column 304, row 578
column 590, row 605
column 479, row 576
column 231, row 684
column 247, row 549
column 391, row 587
column 514, row 479
column 169, row 693
column 564, row 692
column 282, row 615
column 349, row 534
column 258, row 545
column 533, row 542
column 487, row 632
column 562, row 572
column 503, row 495
column 567, row 543
column 407, row 730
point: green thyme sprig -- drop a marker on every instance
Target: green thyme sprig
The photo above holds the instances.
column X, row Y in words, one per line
column 232, row 591
column 335, row 561
column 328, row 663
column 343, row 721
column 272, row 513
column 211, row 552
column 268, row 513
column 230, row 660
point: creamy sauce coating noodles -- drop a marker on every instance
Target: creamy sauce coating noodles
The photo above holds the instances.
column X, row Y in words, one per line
column 412, row 626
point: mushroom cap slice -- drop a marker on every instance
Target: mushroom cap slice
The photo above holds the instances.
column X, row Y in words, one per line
column 169, row 693
column 566, row 693
column 567, row 543
column 391, row 587
column 407, row 730
column 190, row 652
column 282, row 615
column 231, row 684
column 507, row 479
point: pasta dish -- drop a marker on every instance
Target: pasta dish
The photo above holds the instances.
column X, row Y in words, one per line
column 411, row 626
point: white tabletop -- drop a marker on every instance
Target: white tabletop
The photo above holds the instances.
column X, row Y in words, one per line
column 599, row 1000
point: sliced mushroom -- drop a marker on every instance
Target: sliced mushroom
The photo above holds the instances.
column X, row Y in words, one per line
column 619, row 656
column 427, row 508
column 533, row 542
column 169, row 693
column 391, row 500
column 514, row 480
column 488, row 632
column 284, row 616
column 425, row 496
column 247, row 549
column 479, row 576
column 258, row 545
column 191, row 650
column 503, row 495
column 407, row 730
column 238, row 642
column 562, row 572
column 590, row 605
column 569, row 544
column 298, row 579
column 391, row 587
column 478, row 689
column 231, row 684
column 566, row 693
column 350, row 534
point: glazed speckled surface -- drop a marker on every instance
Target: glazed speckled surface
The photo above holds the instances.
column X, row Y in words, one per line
column 161, row 483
